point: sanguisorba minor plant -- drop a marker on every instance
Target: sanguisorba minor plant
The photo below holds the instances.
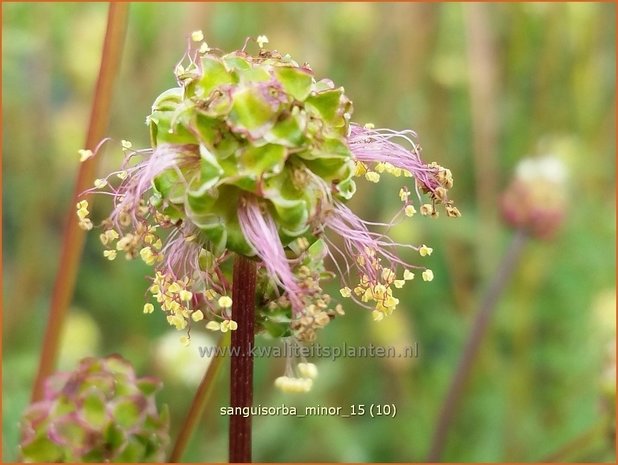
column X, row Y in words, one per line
column 252, row 155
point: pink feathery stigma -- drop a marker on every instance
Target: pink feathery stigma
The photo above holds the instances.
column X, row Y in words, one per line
column 260, row 231
column 182, row 252
column 379, row 146
column 361, row 243
column 140, row 177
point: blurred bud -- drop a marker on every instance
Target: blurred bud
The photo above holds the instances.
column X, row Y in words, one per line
column 101, row 412
column 182, row 364
column 536, row 198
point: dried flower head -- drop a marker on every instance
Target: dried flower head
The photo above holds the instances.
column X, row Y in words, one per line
column 253, row 155
column 101, row 412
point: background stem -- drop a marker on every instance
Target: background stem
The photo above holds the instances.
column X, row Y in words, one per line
column 479, row 327
column 241, row 374
column 200, row 400
column 73, row 238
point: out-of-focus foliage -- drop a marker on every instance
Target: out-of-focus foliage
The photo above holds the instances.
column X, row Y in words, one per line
column 483, row 85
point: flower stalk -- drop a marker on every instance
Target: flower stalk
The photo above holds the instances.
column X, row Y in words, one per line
column 479, row 328
column 73, row 239
column 202, row 395
column 241, row 373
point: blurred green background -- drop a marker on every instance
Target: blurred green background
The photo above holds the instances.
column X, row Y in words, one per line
column 483, row 85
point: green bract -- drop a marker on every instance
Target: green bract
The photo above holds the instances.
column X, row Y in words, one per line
column 101, row 412
column 261, row 125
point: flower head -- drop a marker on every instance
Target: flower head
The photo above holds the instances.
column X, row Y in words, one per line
column 253, row 155
column 101, row 412
column 536, row 198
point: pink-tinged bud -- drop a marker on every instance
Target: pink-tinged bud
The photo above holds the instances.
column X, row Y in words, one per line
column 101, row 412
column 536, row 199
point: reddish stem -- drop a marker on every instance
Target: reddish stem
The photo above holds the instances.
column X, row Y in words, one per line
column 241, row 375
column 73, row 239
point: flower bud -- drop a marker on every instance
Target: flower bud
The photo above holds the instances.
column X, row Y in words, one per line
column 536, row 198
column 101, row 412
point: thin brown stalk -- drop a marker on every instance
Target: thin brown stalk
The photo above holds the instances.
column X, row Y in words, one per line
column 202, row 395
column 241, row 373
column 479, row 327
column 73, row 239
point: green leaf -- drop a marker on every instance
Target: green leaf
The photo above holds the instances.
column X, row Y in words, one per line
column 295, row 81
column 126, row 413
column 262, row 161
column 289, row 131
column 330, row 105
column 250, row 110
column 42, row 449
column 214, row 74
column 93, row 410
column 234, row 62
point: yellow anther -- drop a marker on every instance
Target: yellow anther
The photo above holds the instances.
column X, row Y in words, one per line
column 370, row 126
column 174, row 288
column 100, row 183
column 367, row 295
column 85, row 224
column 124, row 243
column 225, row 301
column 109, row 254
column 204, row 47
column 225, row 326
column 408, row 275
column 197, row 315
column 111, row 235
column 452, row 211
column 185, row 340
column 308, row 370
column 233, row 325
column 391, row 302
column 377, row 315
column 410, row 210
column 197, row 36
column 82, row 213
column 427, row 209
column 399, row 283
column 396, row 172
column 155, row 289
column 210, row 294
column 185, row 295
column 380, row 167
column 345, row 292
column 427, row 275
column 388, row 275
column 122, row 175
column 372, row 176
column 379, row 290
column 262, row 40
column 361, row 169
column 147, row 255
column 213, row 326
column 85, row 154
column 82, row 205
column 148, row 308
column 126, row 144
column 424, row 250
column 404, row 194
